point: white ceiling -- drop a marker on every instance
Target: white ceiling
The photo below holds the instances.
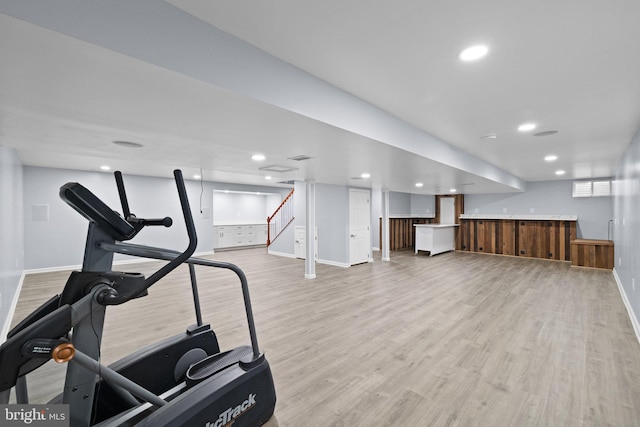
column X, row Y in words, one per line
column 69, row 86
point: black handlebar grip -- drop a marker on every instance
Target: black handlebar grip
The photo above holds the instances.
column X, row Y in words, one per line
column 166, row 221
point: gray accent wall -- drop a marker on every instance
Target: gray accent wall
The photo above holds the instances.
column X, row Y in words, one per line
column 332, row 221
column 58, row 240
column 549, row 198
column 627, row 225
column 411, row 204
column 11, row 230
column 399, row 203
column 422, row 204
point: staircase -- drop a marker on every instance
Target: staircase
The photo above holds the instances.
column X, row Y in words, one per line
column 282, row 217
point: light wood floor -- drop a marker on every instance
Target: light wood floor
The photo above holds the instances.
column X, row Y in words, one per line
column 459, row 339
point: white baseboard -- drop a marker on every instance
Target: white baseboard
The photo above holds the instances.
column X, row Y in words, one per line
column 333, row 263
column 119, row 262
column 282, row 254
column 12, row 310
column 632, row 316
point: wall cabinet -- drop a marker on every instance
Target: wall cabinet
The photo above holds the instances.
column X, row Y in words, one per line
column 233, row 236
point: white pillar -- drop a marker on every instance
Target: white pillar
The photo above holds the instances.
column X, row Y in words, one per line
column 310, row 232
column 385, row 243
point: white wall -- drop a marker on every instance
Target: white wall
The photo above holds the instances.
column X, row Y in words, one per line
column 11, row 232
column 59, row 241
column 549, row 198
column 627, row 226
column 234, row 208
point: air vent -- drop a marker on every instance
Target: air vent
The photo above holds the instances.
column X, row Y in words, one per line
column 278, row 168
column 300, row 158
column 546, row 133
column 128, row 144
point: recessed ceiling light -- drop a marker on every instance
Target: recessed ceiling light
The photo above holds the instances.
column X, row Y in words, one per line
column 526, row 127
column 105, row 168
column 267, row 177
column 473, row 53
column 551, row 158
column 365, row 175
column 453, row 190
column 197, row 176
column 419, row 184
column 560, row 172
column 258, row 157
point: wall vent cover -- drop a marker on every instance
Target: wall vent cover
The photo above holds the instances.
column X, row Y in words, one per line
column 278, row 168
column 300, row 158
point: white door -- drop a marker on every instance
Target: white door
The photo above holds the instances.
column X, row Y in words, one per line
column 359, row 226
column 301, row 242
column 447, row 210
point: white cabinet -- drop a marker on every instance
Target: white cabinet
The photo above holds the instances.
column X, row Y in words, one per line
column 261, row 234
column 435, row 238
column 231, row 236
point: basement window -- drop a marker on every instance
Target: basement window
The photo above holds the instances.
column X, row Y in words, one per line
column 591, row 188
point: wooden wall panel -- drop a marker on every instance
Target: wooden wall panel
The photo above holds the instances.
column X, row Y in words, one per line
column 402, row 232
column 508, row 237
column 527, row 238
column 592, row 253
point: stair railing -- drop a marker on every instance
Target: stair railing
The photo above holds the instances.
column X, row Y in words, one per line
column 282, row 217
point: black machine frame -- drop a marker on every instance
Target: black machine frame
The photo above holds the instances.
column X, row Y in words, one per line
column 182, row 380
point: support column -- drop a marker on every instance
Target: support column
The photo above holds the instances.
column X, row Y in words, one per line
column 310, row 232
column 385, row 243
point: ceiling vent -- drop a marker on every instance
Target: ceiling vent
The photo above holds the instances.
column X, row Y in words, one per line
column 128, row 144
column 278, row 168
column 546, row 133
column 300, row 158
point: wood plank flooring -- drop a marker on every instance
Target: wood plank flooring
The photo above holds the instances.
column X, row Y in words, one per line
column 459, row 339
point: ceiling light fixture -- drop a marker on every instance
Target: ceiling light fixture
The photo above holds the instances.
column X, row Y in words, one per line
column 473, row 53
column 453, row 190
column 258, row 157
column 551, row 158
column 419, row 184
column 268, row 177
column 526, row 127
column 560, row 172
column 105, row 168
column 197, row 176
column 365, row 175
column 489, row 136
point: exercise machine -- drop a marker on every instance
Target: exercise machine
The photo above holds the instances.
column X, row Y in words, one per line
column 182, row 380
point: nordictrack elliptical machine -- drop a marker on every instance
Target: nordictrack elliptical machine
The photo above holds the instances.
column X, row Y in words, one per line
column 182, row 380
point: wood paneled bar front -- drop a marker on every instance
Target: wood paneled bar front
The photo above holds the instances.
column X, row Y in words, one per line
column 402, row 231
column 534, row 236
